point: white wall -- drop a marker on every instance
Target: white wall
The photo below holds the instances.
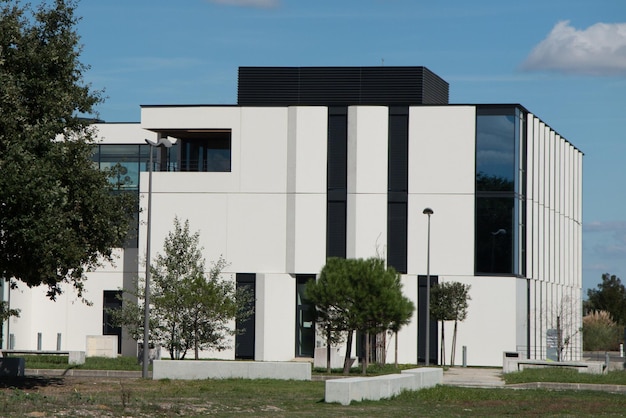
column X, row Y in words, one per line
column 366, row 234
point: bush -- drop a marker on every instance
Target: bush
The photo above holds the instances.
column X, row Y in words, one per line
column 600, row 332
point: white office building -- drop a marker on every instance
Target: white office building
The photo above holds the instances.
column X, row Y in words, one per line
column 316, row 162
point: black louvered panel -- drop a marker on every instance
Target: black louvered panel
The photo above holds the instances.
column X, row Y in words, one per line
column 340, row 86
column 328, row 86
column 272, row 86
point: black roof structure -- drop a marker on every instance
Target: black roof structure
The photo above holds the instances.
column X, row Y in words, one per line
column 340, row 86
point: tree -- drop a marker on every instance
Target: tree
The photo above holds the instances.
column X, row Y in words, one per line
column 449, row 302
column 58, row 216
column 191, row 309
column 610, row 296
column 358, row 295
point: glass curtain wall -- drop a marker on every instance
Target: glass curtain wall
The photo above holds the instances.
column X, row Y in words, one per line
column 500, row 160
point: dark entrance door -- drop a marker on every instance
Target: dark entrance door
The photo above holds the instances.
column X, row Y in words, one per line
column 244, row 342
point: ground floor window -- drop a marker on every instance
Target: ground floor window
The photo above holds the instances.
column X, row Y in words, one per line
column 112, row 300
column 305, row 318
column 244, row 339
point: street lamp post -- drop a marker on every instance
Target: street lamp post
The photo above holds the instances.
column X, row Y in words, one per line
column 428, row 211
column 146, row 324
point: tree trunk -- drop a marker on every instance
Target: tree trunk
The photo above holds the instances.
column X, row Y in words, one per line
column 366, row 354
column 347, row 362
column 328, row 334
column 396, row 352
column 443, row 344
column 453, row 345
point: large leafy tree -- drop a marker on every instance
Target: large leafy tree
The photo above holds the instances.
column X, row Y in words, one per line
column 191, row 308
column 609, row 296
column 58, row 215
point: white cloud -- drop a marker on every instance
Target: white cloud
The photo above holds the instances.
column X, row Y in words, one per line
column 264, row 4
column 598, row 50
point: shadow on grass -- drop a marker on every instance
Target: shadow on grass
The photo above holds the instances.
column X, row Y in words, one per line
column 30, row 382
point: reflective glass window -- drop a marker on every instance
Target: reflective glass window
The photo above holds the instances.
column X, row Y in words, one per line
column 499, row 190
column 495, row 153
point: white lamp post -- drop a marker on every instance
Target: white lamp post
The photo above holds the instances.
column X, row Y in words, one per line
column 146, row 324
column 428, row 211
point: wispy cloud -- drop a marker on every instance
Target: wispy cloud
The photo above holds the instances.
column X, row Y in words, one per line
column 263, row 4
column 598, row 50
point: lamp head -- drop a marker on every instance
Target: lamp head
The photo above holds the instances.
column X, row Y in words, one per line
column 163, row 141
column 428, row 211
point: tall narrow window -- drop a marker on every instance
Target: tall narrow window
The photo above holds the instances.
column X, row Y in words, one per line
column 305, row 322
column 244, row 339
column 112, row 300
column 398, row 187
column 499, row 191
column 337, row 182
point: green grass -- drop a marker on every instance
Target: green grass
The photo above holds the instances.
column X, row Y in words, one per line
column 562, row 375
column 91, row 363
column 238, row 397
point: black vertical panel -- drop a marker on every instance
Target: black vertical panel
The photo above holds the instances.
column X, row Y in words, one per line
column 397, row 236
column 397, row 186
column 336, row 229
column 421, row 320
column 112, row 300
column 337, row 182
column 244, row 342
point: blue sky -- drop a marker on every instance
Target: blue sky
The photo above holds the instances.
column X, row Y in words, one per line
column 564, row 60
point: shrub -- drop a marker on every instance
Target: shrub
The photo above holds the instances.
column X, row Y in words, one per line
column 600, row 332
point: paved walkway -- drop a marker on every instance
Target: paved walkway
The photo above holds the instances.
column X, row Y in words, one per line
column 476, row 377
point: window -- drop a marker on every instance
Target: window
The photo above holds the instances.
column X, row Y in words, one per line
column 499, row 191
column 206, row 151
column 112, row 300
column 305, row 318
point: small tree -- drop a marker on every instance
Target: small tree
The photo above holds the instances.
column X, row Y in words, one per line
column 359, row 295
column 449, row 302
column 189, row 309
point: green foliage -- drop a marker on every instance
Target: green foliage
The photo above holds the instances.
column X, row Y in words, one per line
column 59, row 218
column 358, row 295
column 610, row 296
column 190, row 308
column 449, row 302
column 600, row 332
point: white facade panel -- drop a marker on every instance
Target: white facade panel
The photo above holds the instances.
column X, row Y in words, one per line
column 307, row 149
column 306, row 232
column 451, row 234
column 275, row 324
column 367, row 225
column 367, row 149
column 441, row 138
column 263, row 150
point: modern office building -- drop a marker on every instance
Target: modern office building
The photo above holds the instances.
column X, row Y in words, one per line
column 316, row 162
